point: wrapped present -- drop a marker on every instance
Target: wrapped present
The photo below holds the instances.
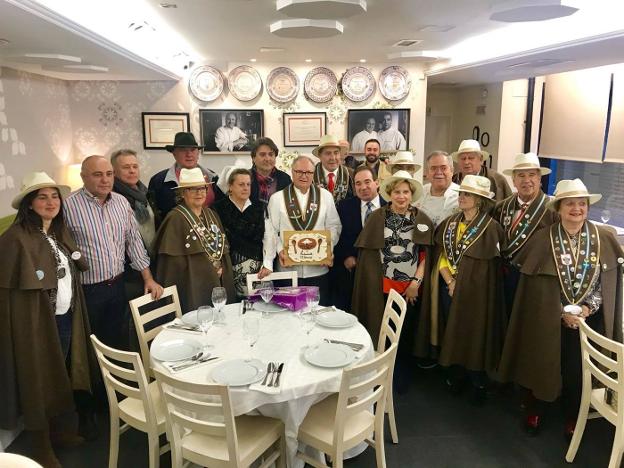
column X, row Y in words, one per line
column 292, row 297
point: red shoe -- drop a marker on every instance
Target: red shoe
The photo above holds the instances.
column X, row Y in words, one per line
column 532, row 424
column 569, row 428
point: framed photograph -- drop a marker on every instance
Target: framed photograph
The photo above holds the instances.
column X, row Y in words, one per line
column 230, row 131
column 304, row 128
column 389, row 126
column 307, row 248
column 159, row 128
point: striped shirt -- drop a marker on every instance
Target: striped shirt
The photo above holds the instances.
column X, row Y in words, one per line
column 104, row 234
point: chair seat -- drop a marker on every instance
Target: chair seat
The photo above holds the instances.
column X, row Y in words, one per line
column 318, row 426
column 255, row 434
column 131, row 410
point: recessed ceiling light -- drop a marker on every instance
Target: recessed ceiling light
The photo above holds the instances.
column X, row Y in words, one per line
column 252, row 60
column 168, row 5
column 531, row 10
column 362, row 60
column 308, row 60
column 271, row 49
column 436, row 28
column 4, row 42
column 407, row 42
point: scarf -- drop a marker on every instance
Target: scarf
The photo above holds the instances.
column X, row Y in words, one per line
column 266, row 184
column 136, row 197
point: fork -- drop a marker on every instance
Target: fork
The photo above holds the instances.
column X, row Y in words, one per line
column 270, row 370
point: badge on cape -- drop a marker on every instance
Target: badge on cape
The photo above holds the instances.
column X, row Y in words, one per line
column 422, row 227
column 566, row 259
column 76, row 255
column 507, row 220
column 40, row 274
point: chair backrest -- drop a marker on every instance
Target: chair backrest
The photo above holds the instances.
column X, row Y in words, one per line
column 392, row 321
column 601, row 359
column 277, row 275
column 362, row 387
column 117, row 378
column 209, row 405
column 141, row 320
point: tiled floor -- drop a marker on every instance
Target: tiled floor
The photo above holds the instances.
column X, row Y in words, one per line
column 435, row 430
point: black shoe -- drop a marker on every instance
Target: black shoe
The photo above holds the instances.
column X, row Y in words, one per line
column 479, row 396
column 87, row 426
column 427, row 363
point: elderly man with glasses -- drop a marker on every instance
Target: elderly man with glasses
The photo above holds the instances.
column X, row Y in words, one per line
column 439, row 199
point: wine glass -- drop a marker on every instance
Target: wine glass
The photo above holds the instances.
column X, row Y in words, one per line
column 205, row 318
column 307, row 321
column 219, row 298
column 251, row 332
column 605, row 216
column 266, row 290
column 313, row 297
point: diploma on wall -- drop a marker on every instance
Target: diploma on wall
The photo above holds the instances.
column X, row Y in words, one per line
column 307, row 248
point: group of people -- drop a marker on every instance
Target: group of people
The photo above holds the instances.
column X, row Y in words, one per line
column 486, row 272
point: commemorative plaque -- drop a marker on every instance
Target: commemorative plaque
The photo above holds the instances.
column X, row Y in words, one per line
column 307, row 248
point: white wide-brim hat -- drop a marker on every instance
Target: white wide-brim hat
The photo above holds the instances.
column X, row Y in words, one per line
column 37, row 180
column 469, row 146
column 222, row 183
column 525, row 162
column 572, row 189
column 403, row 157
column 403, row 176
column 477, row 185
column 191, row 178
column 328, row 140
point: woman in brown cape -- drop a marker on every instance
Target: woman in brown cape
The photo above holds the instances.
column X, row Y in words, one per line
column 191, row 249
column 43, row 321
column 472, row 323
column 571, row 266
column 394, row 250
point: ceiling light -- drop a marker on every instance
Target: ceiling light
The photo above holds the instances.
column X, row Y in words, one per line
column 252, row 60
column 306, row 28
column 168, row 5
column 517, row 11
column 265, row 50
column 308, row 60
column 407, row 42
column 435, row 28
column 320, row 9
column 415, row 55
column 362, row 60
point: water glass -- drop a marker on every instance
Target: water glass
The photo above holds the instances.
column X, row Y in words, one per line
column 205, row 318
column 307, row 322
column 219, row 298
column 313, row 297
column 251, row 332
column 266, row 290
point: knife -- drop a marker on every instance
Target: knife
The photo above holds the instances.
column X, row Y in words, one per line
column 191, row 364
column 280, row 368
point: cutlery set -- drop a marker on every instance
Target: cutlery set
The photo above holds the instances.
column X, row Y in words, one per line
column 275, row 369
column 199, row 358
column 354, row 346
column 181, row 326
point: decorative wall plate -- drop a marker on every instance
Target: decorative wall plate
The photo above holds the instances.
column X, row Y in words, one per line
column 320, row 84
column 394, row 83
column 282, row 84
column 358, row 84
column 206, row 83
column 245, row 83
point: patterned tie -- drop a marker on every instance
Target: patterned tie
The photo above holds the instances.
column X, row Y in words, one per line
column 330, row 184
column 369, row 210
column 523, row 208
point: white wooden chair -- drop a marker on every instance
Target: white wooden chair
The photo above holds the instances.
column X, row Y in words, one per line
column 12, row 460
column 598, row 353
column 141, row 320
column 276, row 275
column 343, row 420
column 212, row 436
column 142, row 408
column 390, row 332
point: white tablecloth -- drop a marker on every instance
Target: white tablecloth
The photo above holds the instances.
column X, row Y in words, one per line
column 282, row 339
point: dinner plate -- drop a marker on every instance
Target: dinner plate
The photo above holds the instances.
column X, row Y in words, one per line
column 358, row 84
column 282, row 84
column 320, row 84
column 329, row 355
column 190, row 318
column 394, row 83
column 268, row 307
column 239, row 372
column 244, row 83
column 175, row 349
column 336, row 319
column 206, row 83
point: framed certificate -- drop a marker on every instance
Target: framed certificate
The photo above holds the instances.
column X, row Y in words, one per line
column 304, row 129
column 307, row 248
column 159, row 128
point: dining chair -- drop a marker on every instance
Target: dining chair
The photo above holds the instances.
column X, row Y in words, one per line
column 344, row 420
column 144, row 336
column 14, row 460
column 390, row 332
column 277, row 275
column 142, row 408
column 601, row 358
column 203, row 430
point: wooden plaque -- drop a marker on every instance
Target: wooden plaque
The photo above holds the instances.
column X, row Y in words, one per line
column 307, row 248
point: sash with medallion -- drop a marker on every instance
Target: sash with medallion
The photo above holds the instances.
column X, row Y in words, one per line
column 455, row 248
column 341, row 187
column 205, row 230
column 518, row 232
column 299, row 219
column 577, row 259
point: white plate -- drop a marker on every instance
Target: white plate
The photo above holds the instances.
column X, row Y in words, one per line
column 175, row 349
column 244, row 83
column 190, row 318
column 282, row 84
column 394, row 83
column 358, row 84
column 238, row 372
column 336, row 319
column 206, row 83
column 329, row 355
column 320, row 84
column 268, row 307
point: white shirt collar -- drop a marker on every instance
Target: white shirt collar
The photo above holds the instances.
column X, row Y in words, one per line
column 246, row 205
column 374, row 201
column 326, row 172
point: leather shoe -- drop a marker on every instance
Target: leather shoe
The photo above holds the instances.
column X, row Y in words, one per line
column 532, row 424
column 569, row 428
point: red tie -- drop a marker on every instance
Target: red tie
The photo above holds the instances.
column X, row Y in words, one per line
column 330, row 184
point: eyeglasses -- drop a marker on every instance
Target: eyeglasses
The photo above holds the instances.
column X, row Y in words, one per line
column 196, row 189
column 303, row 173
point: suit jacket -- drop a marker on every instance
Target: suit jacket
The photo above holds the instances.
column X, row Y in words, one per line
column 351, row 219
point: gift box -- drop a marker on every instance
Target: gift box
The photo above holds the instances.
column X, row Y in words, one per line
column 292, row 297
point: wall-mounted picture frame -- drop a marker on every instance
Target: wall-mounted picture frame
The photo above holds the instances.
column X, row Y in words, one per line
column 231, row 131
column 159, row 128
column 304, row 128
column 389, row 126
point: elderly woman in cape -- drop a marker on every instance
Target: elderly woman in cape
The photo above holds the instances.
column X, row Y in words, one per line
column 471, row 326
column 571, row 266
column 191, row 249
column 43, row 319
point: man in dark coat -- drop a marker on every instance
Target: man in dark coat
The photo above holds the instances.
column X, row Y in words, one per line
column 330, row 174
column 266, row 179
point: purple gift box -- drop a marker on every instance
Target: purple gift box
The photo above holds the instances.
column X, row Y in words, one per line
column 291, row 297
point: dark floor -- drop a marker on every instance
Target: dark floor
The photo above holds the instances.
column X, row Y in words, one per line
column 435, row 430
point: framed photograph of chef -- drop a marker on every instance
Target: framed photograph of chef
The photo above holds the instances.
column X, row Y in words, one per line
column 389, row 126
column 231, row 130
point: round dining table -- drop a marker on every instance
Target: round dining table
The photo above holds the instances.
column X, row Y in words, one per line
column 282, row 339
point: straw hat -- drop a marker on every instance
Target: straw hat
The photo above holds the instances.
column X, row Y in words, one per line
column 526, row 161
column 403, row 176
column 183, row 140
column 470, row 146
column 34, row 181
column 477, row 185
column 191, row 178
column 573, row 189
column 328, row 140
column 222, row 182
column 403, row 157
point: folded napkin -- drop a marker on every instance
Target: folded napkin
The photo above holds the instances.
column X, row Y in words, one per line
column 265, row 388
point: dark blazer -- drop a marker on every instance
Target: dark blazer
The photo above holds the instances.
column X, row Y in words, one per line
column 283, row 181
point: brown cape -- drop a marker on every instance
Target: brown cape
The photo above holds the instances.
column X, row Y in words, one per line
column 34, row 380
column 532, row 353
column 190, row 269
column 368, row 301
